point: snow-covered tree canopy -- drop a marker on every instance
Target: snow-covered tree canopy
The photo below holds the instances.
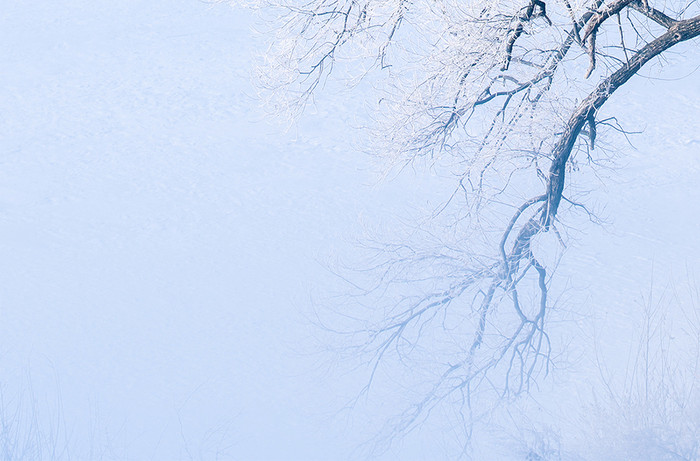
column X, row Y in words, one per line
column 514, row 63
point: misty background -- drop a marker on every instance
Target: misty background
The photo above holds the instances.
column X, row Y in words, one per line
column 165, row 241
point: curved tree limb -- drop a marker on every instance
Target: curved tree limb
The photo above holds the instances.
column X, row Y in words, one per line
column 678, row 32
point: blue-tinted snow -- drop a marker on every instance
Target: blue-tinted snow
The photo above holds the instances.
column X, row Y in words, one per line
column 157, row 236
column 160, row 241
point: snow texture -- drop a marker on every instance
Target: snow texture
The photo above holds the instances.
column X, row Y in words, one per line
column 161, row 242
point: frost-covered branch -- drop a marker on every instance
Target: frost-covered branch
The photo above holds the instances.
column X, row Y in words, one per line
column 500, row 94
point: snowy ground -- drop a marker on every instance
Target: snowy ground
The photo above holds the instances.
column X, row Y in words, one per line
column 161, row 241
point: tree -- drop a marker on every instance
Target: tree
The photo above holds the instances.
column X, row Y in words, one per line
column 509, row 95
